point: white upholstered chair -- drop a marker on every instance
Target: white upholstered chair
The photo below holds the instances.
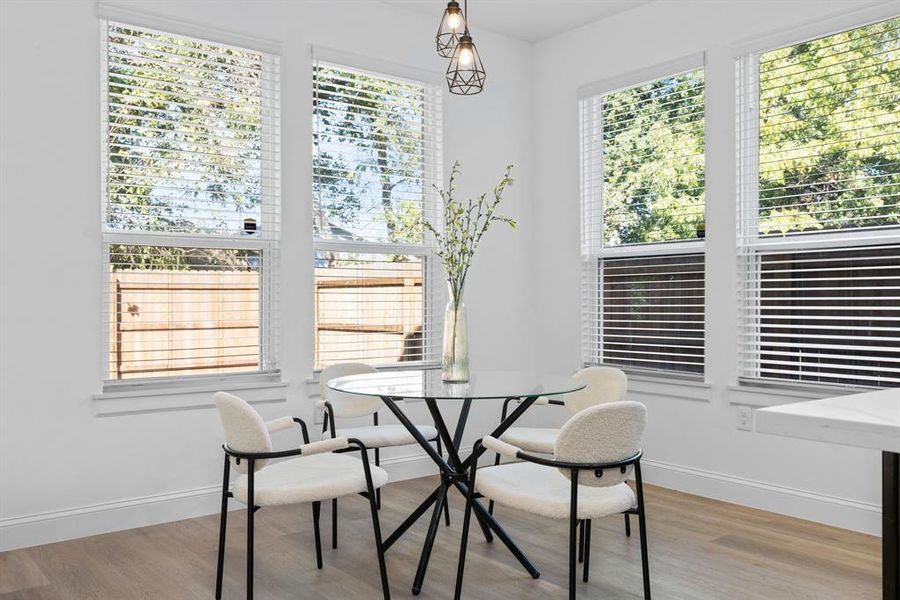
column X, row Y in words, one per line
column 340, row 405
column 602, row 384
column 596, row 452
column 317, row 471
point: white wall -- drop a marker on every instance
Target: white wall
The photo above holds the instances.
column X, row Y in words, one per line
column 692, row 441
column 66, row 472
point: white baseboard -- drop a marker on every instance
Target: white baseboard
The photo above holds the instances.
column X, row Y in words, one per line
column 106, row 517
column 831, row 510
column 56, row 526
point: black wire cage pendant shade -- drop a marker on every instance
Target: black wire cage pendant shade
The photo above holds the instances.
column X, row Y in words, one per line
column 465, row 73
column 452, row 26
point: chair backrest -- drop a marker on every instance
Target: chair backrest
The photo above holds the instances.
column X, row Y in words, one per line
column 602, row 434
column 245, row 430
column 348, row 405
column 602, row 385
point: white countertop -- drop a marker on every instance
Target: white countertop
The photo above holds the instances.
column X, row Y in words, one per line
column 867, row 420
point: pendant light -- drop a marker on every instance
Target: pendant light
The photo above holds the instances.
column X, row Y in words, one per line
column 453, row 24
column 465, row 73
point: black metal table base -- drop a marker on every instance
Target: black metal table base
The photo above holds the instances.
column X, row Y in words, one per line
column 454, row 474
column 890, row 525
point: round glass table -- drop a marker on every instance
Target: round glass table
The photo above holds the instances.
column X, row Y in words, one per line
column 423, row 384
column 426, row 385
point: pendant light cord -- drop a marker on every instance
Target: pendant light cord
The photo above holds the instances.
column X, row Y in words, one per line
column 466, row 15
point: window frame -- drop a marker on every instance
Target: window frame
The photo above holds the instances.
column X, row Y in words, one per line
column 433, row 294
column 593, row 248
column 268, row 244
column 750, row 246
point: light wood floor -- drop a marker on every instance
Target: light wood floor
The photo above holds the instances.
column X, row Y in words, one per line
column 699, row 549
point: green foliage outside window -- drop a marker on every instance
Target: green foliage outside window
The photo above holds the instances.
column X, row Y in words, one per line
column 653, row 167
column 368, row 158
column 184, row 134
column 829, row 132
column 829, row 143
column 184, row 146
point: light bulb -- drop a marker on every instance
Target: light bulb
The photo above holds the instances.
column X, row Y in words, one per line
column 454, row 20
column 466, row 57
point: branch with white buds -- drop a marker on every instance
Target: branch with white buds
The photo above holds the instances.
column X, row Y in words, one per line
column 465, row 223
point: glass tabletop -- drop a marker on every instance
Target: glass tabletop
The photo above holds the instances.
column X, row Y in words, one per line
column 420, row 384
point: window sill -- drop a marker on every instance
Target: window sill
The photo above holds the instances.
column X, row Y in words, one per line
column 773, row 394
column 669, row 386
column 168, row 396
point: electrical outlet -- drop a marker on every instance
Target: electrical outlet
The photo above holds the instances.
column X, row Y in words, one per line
column 745, row 418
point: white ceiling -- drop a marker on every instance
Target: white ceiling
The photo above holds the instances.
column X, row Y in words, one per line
column 529, row 20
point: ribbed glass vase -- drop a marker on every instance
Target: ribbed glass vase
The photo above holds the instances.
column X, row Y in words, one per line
column 455, row 356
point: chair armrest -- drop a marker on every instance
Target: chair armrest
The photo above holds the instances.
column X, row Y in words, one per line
column 544, row 401
column 282, row 423
column 539, row 401
column 328, row 416
column 279, row 424
column 261, row 455
column 500, row 447
column 326, row 445
column 561, row 464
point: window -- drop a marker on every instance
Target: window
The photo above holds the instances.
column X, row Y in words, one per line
column 376, row 158
column 643, row 224
column 820, row 210
column 190, row 206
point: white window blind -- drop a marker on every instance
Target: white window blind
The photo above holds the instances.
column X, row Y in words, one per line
column 820, row 210
column 191, row 189
column 376, row 160
column 653, row 313
column 643, row 224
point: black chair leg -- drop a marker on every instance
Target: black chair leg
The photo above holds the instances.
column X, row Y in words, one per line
column 378, row 491
column 642, row 522
column 317, row 510
column 376, row 523
column 250, row 511
column 379, row 548
column 573, row 533
column 491, row 503
column 581, row 527
column 627, row 525
column 334, row 523
column 586, row 542
column 223, row 519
